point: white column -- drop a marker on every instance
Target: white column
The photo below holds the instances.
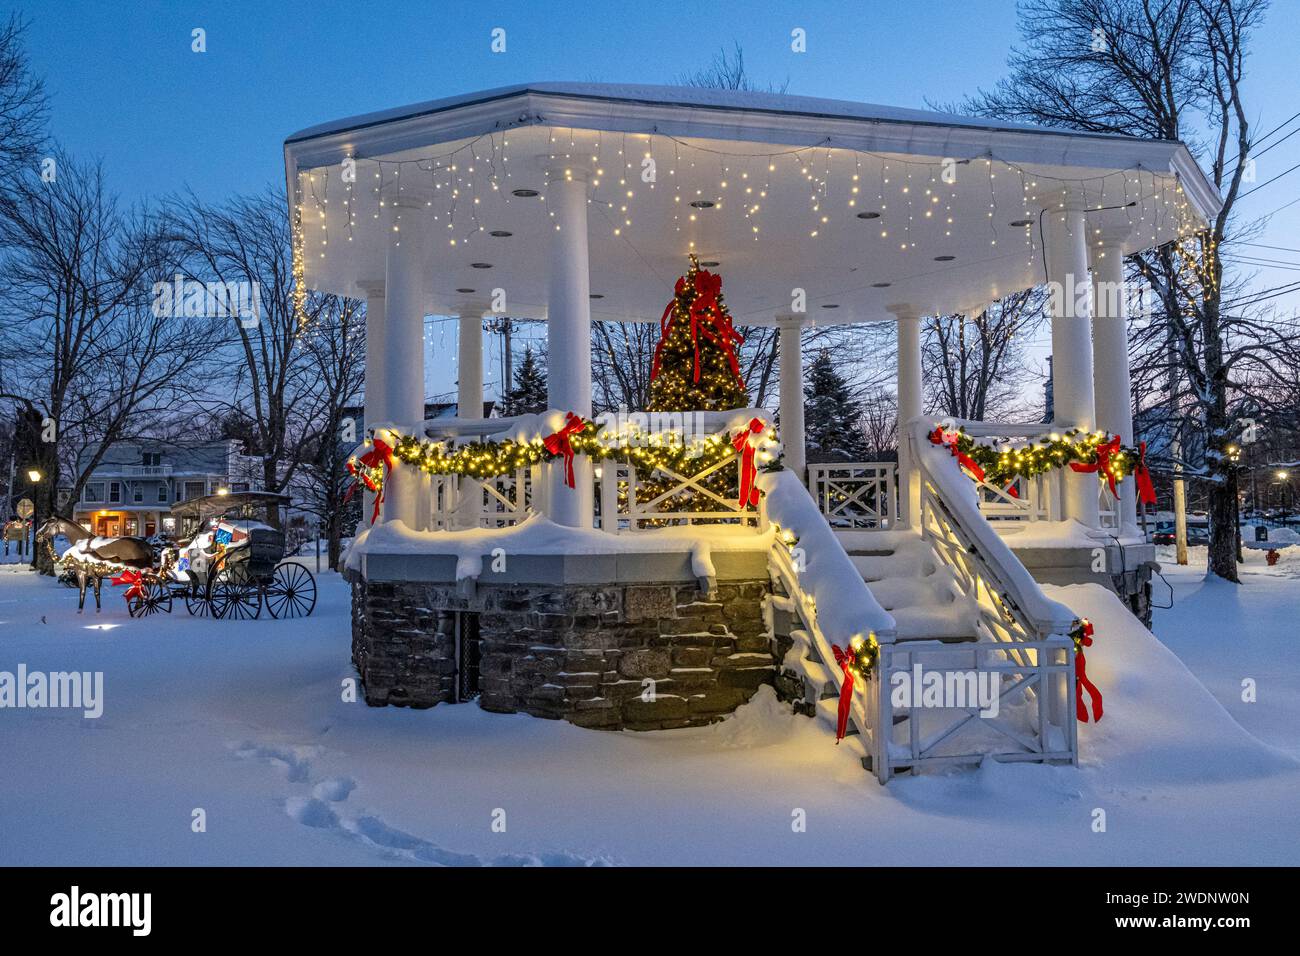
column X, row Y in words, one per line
column 1072, row 387
column 909, row 406
column 403, row 350
column 793, row 444
column 1111, row 379
column 568, row 336
column 374, row 293
column 469, row 372
column 469, row 404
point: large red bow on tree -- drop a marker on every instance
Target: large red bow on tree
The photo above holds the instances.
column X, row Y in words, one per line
column 560, row 443
column 749, row 493
column 136, row 581
column 1104, row 452
column 382, row 453
column 950, row 439
column 1082, row 635
column 846, row 661
column 707, row 319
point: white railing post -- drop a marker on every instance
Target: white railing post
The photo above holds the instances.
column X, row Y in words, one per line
column 608, row 474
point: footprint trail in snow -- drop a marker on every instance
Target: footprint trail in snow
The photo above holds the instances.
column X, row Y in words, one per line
column 323, row 808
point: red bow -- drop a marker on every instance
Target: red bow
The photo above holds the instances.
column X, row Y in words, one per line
column 1104, row 452
column 941, row 437
column 749, row 493
column 560, row 443
column 846, row 660
column 1146, row 490
column 381, row 453
column 1081, row 682
column 133, row 578
column 707, row 319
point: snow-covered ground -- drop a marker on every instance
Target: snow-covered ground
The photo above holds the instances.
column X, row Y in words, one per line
column 247, row 722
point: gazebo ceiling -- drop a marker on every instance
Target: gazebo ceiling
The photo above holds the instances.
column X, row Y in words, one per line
column 860, row 207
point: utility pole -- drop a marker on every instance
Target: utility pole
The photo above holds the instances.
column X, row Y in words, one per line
column 1176, row 452
column 505, row 326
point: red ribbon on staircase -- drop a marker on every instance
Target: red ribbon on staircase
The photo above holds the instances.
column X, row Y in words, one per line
column 136, row 581
column 382, row 453
column 749, row 493
column 1082, row 635
column 950, row 439
column 1102, row 464
column 560, row 443
column 846, row 660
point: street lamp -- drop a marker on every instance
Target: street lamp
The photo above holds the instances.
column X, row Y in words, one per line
column 33, row 476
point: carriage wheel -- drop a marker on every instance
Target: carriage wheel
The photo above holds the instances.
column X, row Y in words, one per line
column 291, row 592
column 157, row 598
column 235, row 597
column 197, row 602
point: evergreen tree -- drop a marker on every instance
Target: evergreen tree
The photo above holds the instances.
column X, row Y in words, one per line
column 695, row 362
column 831, row 415
column 529, row 392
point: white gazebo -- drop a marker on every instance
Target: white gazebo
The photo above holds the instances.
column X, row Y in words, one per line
column 578, row 202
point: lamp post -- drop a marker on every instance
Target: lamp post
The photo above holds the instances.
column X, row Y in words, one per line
column 1286, row 496
column 34, row 479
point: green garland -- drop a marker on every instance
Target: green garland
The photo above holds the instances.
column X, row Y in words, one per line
column 492, row 459
column 1003, row 464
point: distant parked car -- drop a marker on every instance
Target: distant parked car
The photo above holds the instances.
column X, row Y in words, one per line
column 1197, row 535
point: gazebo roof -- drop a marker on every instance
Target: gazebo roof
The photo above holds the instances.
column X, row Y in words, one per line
column 861, row 206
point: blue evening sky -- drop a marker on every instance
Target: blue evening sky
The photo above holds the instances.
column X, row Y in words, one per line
column 125, row 85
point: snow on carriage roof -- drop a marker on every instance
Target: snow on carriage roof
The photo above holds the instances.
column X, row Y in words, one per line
column 784, row 103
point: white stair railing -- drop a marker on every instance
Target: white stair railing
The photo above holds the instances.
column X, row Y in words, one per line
column 817, row 584
column 1022, row 635
column 856, row 494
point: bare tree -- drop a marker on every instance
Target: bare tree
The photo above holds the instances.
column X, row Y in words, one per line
column 880, row 424
column 976, row 369
column 727, row 72
column 22, row 99
column 1162, row 69
column 247, row 240
column 336, row 343
column 86, row 348
column 622, row 354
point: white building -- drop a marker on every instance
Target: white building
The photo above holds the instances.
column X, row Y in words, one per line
column 577, row 202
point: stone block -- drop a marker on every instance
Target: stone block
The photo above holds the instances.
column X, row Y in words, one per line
column 650, row 662
column 649, row 603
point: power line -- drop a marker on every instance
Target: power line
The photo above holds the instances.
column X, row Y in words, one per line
column 1267, row 181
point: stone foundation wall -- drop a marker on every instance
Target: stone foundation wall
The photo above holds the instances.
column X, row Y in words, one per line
column 1126, row 571
column 637, row 657
column 403, row 645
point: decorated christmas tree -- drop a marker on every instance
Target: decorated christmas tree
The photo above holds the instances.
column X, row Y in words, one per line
column 696, row 368
column 696, row 365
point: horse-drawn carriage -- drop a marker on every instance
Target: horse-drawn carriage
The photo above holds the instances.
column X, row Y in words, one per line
column 228, row 562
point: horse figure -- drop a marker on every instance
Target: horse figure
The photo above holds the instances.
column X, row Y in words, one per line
column 89, row 554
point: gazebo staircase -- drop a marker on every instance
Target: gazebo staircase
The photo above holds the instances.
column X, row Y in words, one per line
column 950, row 598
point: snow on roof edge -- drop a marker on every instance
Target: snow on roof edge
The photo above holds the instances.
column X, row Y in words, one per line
column 699, row 98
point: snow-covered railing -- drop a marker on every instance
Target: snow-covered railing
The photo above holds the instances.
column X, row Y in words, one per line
column 624, row 499
column 858, row 495
column 455, row 502
column 628, row 501
column 1037, row 498
column 817, row 583
column 1020, row 632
